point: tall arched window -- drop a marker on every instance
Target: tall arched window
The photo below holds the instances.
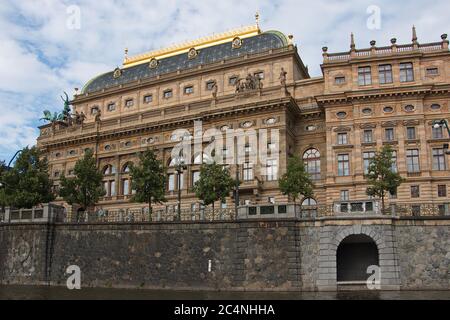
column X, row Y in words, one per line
column 110, row 182
column 202, row 158
column 109, row 169
column 311, row 158
column 127, row 167
column 125, row 182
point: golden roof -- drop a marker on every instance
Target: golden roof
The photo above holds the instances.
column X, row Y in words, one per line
column 184, row 47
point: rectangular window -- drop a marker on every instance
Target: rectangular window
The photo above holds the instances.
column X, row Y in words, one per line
column 248, row 171
column 394, row 167
column 437, row 133
column 189, row 90
column 259, row 74
column 171, row 184
column 232, row 80
column 272, row 170
column 343, row 165
column 210, row 85
column 148, row 99
column 415, row 192
column 432, row 71
column 364, row 76
column 406, row 72
column 271, row 200
column 111, row 107
column 113, row 189
column 368, row 136
column 367, row 157
column 195, row 177
column 94, row 111
column 339, row 80
column 181, row 180
column 168, row 94
column 345, row 195
column 106, row 189
column 129, row 103
column 247, row 148
column 385, row 73
column 439, row 160
column 389, row 134
column 126, row 187
column 442, row 190
column 411, row 133
column 412, row 160
column 342, row 138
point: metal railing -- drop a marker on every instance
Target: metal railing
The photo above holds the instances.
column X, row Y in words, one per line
column 143, row 216
column 344, row 210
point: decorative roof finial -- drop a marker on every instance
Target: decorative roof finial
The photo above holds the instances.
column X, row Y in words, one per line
column 126, row 54
column 414, row 34
column 352, row 41
column 257, row 18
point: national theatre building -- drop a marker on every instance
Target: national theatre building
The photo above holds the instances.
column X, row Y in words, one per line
column 253, row 80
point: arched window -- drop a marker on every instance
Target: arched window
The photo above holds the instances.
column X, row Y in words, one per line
column 309, row 208
column 127, row 167
column 311, row 158
column 308, row 202
column 109, row 169
column 202, row 158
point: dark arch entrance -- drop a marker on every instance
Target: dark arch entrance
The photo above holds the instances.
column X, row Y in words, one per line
column 354, row 255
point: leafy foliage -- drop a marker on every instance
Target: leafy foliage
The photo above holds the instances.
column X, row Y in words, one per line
column 381, row 177
column 27, row 184
column 86, row 188
column 215, row 184
column 296, row 182
column 148, row 180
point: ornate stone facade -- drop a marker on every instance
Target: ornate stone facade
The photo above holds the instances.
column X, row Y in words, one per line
column 364, row 100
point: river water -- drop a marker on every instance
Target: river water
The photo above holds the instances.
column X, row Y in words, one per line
column 62, row 293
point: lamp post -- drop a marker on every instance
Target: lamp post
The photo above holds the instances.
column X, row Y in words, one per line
column 180, row 167
column 440, row 123
column 236, row 191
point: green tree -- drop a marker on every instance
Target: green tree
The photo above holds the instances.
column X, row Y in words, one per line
column 2, row 185
column 215, row 184
column 148, row 180
column 27, row 183
column 296, row 182
column 381, row 176
column 86, row 187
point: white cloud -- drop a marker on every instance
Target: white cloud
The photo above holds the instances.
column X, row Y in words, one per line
column 41, row 57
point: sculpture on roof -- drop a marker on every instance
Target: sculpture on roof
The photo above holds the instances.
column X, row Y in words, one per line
column 250, row 83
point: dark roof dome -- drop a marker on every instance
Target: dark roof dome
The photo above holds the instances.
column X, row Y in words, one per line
column 234, row 48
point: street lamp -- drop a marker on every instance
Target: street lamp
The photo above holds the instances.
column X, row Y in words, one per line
column 179, row 168
column 440, row 123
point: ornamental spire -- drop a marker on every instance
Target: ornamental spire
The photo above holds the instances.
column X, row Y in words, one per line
column 414, row 35
column 352, row 41
column 257, row 18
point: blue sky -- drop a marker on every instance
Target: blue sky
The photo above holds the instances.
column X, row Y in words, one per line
column 41, row 57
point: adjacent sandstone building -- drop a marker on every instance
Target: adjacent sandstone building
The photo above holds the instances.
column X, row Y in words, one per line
column 252, row 80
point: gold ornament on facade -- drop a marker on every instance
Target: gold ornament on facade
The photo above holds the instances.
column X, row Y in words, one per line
column 192, row 54
column 117, row 73
column 153, row 64
column 237, row 43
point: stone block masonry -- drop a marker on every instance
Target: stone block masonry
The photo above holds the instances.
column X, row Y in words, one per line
column 284, row 255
